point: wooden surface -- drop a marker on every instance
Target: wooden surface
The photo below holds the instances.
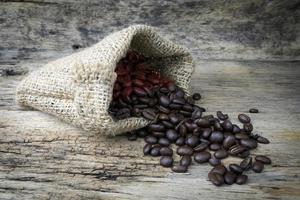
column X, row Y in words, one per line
column 43, row 158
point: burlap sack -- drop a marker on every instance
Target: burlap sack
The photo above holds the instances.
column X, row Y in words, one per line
column 78, row 88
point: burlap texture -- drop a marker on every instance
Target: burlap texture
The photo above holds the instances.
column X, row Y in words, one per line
column 78, row 88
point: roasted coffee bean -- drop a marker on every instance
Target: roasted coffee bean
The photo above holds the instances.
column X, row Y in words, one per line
column 262, row 140
column 263, row 159
column 202, row 157
column 235, row 129
column 229, row 141
column 229, row 178
column 164, row 100
column 240, row 136
column 175, row 106
column 257, row 166
column 164, row 90
column 236, row 149
column 155, row 151
column 187, row 107
column 246, row 164
column 167, row 124
column 174, row 118
column 226, row 134
column 163, row 109
column 241, row 179
column 163, row 141
column 196, row 114
column 196, row 96
column 203, row 123
column 249, row 143
column 158, row 134
column 180, row 141
column 192, row 141
column 214, row 161
column 147, row 148
column 244, row 118
column 216, row 178
column 139, row 91
column 244, row 154
column 150, row 139
column 217, row 126
column 253, row 110
column 236, row 168
column 185, row 113
column 227, row 125
column 219, row 169
column 144, row 100
column 185, row 160
column 166, row 161
column 214, row 146
column 172, row 135
column 185, row 151
column 149, row 115
column 248, row 127
column 201, row 147
column 221, row 154
column 179, row 93
column 206, row 132
column 166, row 151
column 142, row 133
column 182, row 130
column 190, row 126
column 216, row 137
column 179, row 168
column 222, row 116
column 163, row 117
column 179, row 101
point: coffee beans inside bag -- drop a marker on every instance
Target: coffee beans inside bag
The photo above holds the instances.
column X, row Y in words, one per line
column 79, row 88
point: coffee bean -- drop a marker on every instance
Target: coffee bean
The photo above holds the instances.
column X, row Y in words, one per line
column 228, row 142
column 246, row 164
column 249, row 143
column 241, row 179
column 185, row 151
column 236, row 168
column 217, row 126
column 190, row 126
column 263, row 159
column 221, row 154
column 175, row 106
column 179, row 101
column 219, row 169
column 202, row 157
column 164, row 90
column 253, row 110
column 167, row 124
column 155, row 151
column 235, row 129
column 206, row 132
column 248, row 127
column 196, row 96
column 174, row 118
column 257, row 166
column 172, row 135
column 203, row 123
column 227, row 125
column 229, row 178
column 163, row 117
column 196, row 114
column 236, row 149
column 147, row 148
column 166, row 161
column 179, row 93
column 182, row 130
column 244, row 118
column 201, row 147
column 150, row 139
column 187, row 107
column 172, row 87
column 180, row 141
column 216, row 178
column 214, row 147
column 240, row 136
column 166, row 151
column 163, row 109
column 244, row 154
column 185, row 113
column 179, row 168
column 149, row 115
column 139, row 91
column 221, row 116
column 216, row 136
column 214, row 161
column 262, row 140
column 163, row 141
column 185, row 160
column 164, row 100
column 192, row 141
column 158, row 134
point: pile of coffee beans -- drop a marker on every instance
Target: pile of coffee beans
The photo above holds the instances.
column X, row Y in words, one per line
column 141, row 91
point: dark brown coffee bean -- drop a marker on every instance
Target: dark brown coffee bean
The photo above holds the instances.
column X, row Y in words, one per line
column 163, row 117
column 244, row 154
column 172, row 135
column 166, row 161
column 229, row 141
column 241, row 179
column 240, row 136
column 216, row 137
column 236, row 149
column 246, row 164
column 163, row 109
column 167, row 124
column 158, row 134
column 222, row 116
column 249, row 143
column 179, row 93
column 202, row 157
column 164, row 90
column 263, row 159
column 185, row 160
column 147, row 148
column 227, row 125
column 244, row 118
column 182, row 130
column 144, row 100
column 196, row 96
column 155, row 151
column 166, row 151
column 235, row 129
column 248, row 127
column 190, row 126
column 185, row 113
column 215, row 178
column 187, row 107
column 196, row 114
column 139, row 91
column 220, row 169
column 192, row 141
column 179, row 101
column 262, row 140
column 236, row 168
column 180, row 141
column 174, row 118
column 221, row 154
column 229, row 178
column 257, row 166
column 253, row 110
column 163, row 141
column 206, row 132
column 175, row 106
column 201, row 147
column 179, row 168
column 149, row 115
column 150, row 139
column 203, row 123
column 164, row 100
column 217, row 126
column 214, row 161
column 214, row 146
column 185, row 151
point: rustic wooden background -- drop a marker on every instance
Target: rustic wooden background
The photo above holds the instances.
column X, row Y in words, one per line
column 247, row 53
